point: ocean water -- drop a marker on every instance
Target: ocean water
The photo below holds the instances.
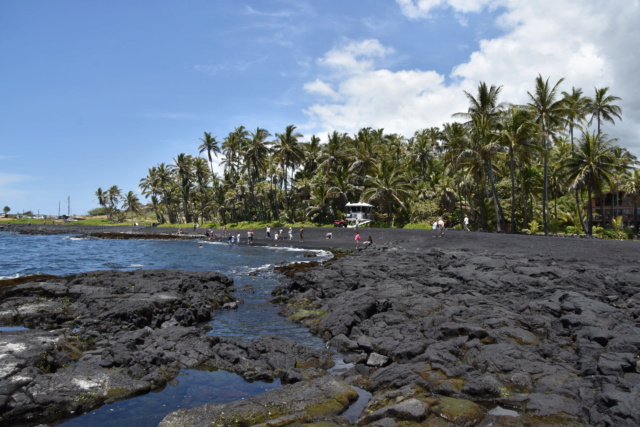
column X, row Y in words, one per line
column 249, row 266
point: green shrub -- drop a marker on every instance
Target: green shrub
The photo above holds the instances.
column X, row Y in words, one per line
column 570, row 229
column 418, row 226
column 534, row 227
column 555, row 226
column 97, row 211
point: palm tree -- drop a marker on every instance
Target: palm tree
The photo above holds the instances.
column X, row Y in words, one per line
column 157, row 185
column 231, row 148
column 334, row 152
column 592, row 164
column 256, row 154
column 101, row 196
column 340, row 188
column 311, row 152
column 364, row 152
column 422, row 149
column 288, row 152
column 319, row 207
column 183, row 167
column 131, row 203
column 113, row 196
column 210, row 145
column 388, row 185
column 548, row 110
column 201, row 175
column 483, row 114
column 517, row 130
column 602, row 107
column 454, row 140
column 575, row 108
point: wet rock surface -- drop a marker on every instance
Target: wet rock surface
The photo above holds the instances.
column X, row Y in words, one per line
column 445, row 334
column 304, row 402
column 102, row 336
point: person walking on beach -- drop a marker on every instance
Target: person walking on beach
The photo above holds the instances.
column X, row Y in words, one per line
column 434, row 227
column 276, row 238
column 302, row 234
column 290, row 233
column 465, row 223
column 357, row 239
column 268, row 232
column 441, row 227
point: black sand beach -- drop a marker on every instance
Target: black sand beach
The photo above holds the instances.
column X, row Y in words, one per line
column 570, row 248
column 464, row 329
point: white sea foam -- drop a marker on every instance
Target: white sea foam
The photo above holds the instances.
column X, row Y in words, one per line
column 262, row 267
column 15, row 276
column 73, row 238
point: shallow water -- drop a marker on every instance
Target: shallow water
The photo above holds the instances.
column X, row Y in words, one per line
column 25, row 255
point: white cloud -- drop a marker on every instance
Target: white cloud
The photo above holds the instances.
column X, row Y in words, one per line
column 318, row 87
column 271, row 14
column 422, row 8
column 355, row 57
column 587, row 44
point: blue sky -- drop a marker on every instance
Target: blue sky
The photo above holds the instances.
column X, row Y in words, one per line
column 92, row 94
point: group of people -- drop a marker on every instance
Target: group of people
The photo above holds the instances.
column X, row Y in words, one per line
column 280, row 235
column 231, row 240
column 366, row 243
column 438, row 231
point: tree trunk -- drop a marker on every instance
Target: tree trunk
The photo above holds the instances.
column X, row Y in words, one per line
column 545, row 185
column 512, row 167
column 495, row 196
column 580, row 210
column 590, row 212
column 481, row 205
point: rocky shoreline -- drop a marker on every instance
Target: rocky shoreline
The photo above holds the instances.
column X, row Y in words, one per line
column 102, row 336
column 468, row 329
column 453, row 333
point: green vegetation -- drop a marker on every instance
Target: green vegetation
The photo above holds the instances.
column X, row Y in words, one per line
column 507, row 166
